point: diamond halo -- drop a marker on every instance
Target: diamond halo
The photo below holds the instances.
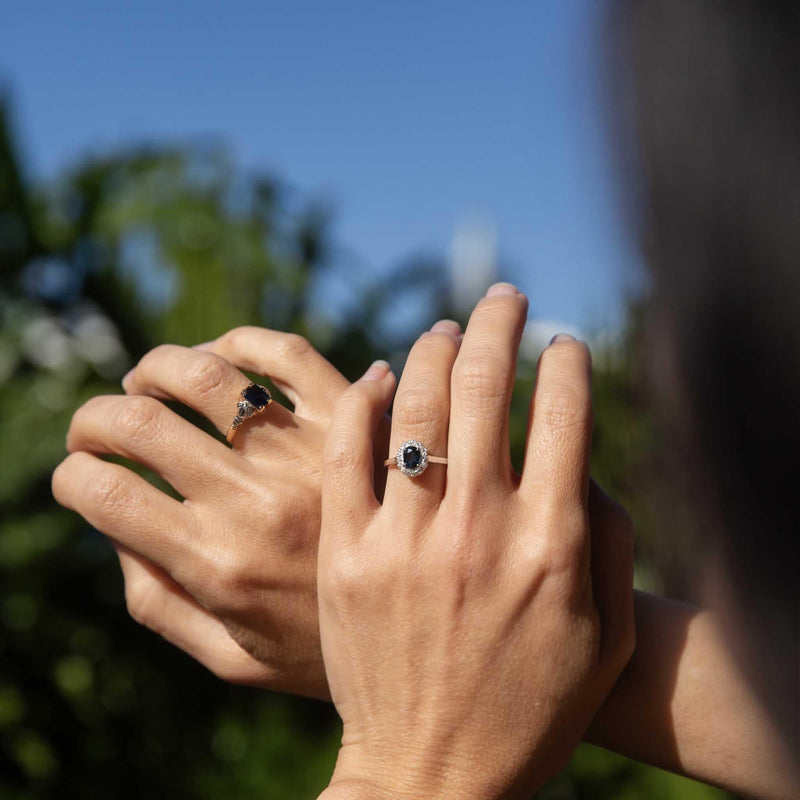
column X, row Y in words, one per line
column 412, row 458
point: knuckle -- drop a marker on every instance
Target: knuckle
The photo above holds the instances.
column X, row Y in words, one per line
column 138, row 418
column 138, row 601
column 565, row 543
column 107, row 492
column 218, row 573
column 562, row 408
column 206, row 374
column 562, row 557
column 346, row 578
column 478, row 378
column 236, row 337
column 293, row 347
column 298, row 518
column 226, row 573
column 338, row 456
column 418, row 409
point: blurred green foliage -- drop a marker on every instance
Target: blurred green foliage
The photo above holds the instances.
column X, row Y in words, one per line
column 123, row 252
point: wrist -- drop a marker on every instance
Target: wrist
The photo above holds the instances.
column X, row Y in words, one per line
column 404, row 776
column 355, row 789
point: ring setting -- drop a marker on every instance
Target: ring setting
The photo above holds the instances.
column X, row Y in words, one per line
column 254, row 400
column 412, row 458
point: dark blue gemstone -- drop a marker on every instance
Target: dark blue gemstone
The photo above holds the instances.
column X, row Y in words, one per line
column 256, row 395
column 412, row 456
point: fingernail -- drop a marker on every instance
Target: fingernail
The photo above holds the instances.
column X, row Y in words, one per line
column 447, row 326
column 377, row 370
column 563, row 337
column 502, row 289
column 203, row 346
column 127, row 377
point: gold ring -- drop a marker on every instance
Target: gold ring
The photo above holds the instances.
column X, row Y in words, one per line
column 412, row 459
column 255, row 399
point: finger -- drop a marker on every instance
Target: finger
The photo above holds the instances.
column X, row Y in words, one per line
column 157, row 602
column 482, row 382
column 125, row 507
column 560, row 428
column 348, row 494
column 146, row 431
column 421, row 413
column 612, row 572
column 203, row 381
column 310, row 381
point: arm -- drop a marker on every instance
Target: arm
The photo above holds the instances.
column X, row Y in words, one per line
column 681, row 704
column 492, row 642
column 661, row 711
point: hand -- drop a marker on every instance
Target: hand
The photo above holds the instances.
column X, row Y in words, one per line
column 469, row 627
column 229, row 575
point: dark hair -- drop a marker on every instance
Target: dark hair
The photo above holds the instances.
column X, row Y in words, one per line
column 714, row 91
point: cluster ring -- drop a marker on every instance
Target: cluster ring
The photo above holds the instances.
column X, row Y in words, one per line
column 254, row 400
column 412, row 458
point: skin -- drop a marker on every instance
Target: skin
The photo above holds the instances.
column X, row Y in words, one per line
column 489, row 608
column 683, row 704
column 229, row 574
column 193, row 569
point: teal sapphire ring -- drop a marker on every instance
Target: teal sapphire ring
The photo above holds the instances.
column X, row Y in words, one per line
column 254, row 400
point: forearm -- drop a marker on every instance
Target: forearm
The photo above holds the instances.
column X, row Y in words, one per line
column 681, row 704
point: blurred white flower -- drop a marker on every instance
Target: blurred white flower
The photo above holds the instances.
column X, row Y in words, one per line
column 45, row 343
column 96, row 341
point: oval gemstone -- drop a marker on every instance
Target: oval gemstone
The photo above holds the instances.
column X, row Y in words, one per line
column 256, row 395
column 412, row 456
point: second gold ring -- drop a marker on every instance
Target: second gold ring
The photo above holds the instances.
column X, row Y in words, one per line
column 254, row 400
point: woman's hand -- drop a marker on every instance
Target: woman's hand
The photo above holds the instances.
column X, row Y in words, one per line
column 229, row 575
column 470, row 629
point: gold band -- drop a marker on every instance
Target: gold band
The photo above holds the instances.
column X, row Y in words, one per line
column 392, row 462
column 412, row 459
column 255, row 400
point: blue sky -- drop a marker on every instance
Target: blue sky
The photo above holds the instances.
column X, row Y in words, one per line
column 410, row 118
